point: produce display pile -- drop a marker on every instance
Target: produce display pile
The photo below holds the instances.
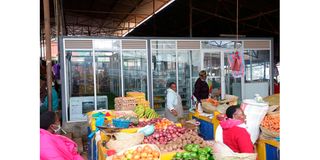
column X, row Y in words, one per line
column 194, row 152
column 271, row 122
column 145, row 112
column 145, row 152
column 140, row 98
column 177, row 144
column 124, row 103
column 163, row 136
column 169, row 137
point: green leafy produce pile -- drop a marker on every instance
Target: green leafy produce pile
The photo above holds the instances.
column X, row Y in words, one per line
column 194, row 152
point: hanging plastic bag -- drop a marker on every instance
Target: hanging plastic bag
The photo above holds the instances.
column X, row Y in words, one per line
column 236, row 64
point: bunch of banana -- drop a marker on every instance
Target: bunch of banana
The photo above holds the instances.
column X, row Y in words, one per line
column 144, row 112
column 139, row 110
column 150, row 113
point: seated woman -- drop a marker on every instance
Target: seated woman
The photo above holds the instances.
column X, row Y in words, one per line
column 55, row 101
column 53, row 146
column 233, row 132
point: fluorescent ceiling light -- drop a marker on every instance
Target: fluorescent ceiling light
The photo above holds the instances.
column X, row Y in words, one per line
column 157, row 11
column 164, row 6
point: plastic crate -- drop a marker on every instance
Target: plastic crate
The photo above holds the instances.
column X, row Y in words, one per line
column 272, row 153
column 206, row 129
column 121, row 123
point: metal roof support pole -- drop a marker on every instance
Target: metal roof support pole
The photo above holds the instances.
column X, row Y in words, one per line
column 190, row 18
column 154, row 18
column 56, row 10
column 48, row 50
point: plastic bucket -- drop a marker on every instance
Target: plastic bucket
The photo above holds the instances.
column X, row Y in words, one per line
column 255, row 113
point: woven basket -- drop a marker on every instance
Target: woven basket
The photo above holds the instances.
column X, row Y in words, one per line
column 235, row 156
column 232, row 99
column 222, row 108
column 124, row 141
column 274, row 113
column 273, row 99
column 268, row 134
column 207, row 107
column 154, row 147
column 273, row 108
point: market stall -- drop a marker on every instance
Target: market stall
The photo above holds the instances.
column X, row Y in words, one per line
column 169, row 138
column 137, row 131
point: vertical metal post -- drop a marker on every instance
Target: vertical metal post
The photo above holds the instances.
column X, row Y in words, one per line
column 190, row 18
column 121, row 69
column 223, row 89
column 56, row 10
column 190, row 72
column 177, row 68
column 48, row 50
column 94, row 76
column 41, row 45
column 150, row 79
column 154, row 19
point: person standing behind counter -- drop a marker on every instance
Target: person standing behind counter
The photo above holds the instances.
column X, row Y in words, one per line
column 201, row 88
column 173, row 110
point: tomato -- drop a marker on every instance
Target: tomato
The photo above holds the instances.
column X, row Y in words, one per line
column 150, row 156
column 136, row 157
column 155, row 154
column 139, row 149
column 129, row 156
column 144, row 155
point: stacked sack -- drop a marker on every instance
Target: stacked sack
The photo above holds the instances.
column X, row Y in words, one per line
column 124, row 103
column 140, row 98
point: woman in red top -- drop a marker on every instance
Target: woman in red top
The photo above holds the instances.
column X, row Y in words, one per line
column 234, row 132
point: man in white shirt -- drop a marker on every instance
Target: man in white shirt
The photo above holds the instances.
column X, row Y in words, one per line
column 173, row 110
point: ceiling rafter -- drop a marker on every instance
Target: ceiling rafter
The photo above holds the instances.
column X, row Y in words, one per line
column 234, row 21
column 258, row 15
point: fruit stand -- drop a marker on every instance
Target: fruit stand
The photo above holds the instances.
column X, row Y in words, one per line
column 140, row 133
column 170, row 138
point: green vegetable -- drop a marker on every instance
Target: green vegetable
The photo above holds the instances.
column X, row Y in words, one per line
column 186, row 155
column 188, row 147
column 194, row 149
column 202, row 157
column 208, row 149
column 211, row 158
column 202, row 151
column 196, row 146
column 178, row 155
column 194, row 155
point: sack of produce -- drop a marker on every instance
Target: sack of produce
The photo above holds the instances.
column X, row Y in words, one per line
column 273, row 108
column 222, row 108
column 143, row 151
column 270, row 126
column 273, row 99
column 231, row 99
column 255, row 113
column 223, row 152
column 235, row 156
column 219, row 147
column 268, row 134
column 125, row 140
column 208, row 107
